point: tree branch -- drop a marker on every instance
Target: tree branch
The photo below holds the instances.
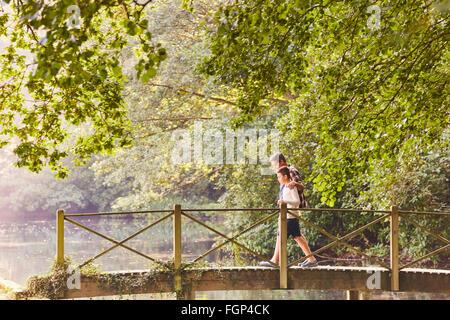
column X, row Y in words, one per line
column 193, row 93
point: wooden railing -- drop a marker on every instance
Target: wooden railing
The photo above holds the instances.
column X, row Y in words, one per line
column 394, row 215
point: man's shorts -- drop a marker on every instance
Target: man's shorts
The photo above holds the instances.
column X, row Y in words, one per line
column 293, row 228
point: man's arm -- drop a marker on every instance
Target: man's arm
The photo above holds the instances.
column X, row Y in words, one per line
column 296, row 181
column 299, row 186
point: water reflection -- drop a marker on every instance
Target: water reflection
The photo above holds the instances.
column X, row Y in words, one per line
column 280, row 295
column 271, row 295
column 312, row 295
column 29, row 248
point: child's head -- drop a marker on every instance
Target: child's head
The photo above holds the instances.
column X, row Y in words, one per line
column 283, row 175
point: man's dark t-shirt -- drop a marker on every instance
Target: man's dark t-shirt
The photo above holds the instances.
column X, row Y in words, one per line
column 295, row 176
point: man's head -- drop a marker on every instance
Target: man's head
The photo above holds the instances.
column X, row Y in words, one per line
column 278, row 160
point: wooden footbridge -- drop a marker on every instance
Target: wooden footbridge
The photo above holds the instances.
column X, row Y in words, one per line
column 184, row 279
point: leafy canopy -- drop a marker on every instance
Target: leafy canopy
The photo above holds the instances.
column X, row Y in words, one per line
column 366, row 82
column 75, row 79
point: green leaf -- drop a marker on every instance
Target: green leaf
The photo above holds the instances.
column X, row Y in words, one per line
column 148, row 75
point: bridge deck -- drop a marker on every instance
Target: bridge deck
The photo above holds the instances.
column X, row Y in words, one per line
column 259, row 278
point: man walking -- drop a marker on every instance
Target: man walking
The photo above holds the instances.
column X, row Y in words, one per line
column 289, row 177
column 278, row 161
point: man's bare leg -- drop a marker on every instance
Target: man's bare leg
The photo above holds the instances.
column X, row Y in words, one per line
column 301, row 240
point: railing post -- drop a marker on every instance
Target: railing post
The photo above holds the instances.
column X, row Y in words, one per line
column 177, row 248
column 60, row 237
column 394, row 249
column 283, row 246
column 353, row 295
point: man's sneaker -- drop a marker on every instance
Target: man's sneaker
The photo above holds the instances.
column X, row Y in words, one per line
column 307, row 264
column 266, row 264
column 302, row 263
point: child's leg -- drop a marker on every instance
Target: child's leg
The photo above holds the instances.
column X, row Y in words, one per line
column 301, row 240
column 276, row 253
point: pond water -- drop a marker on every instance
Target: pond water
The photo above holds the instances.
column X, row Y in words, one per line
column 29, row 248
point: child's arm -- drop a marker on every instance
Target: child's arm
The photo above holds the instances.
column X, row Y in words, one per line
column 292, row 197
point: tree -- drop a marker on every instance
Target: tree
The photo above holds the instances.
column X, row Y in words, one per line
column 366, row 83
column 74, row 80
column 174, row 99
column 26, row 195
